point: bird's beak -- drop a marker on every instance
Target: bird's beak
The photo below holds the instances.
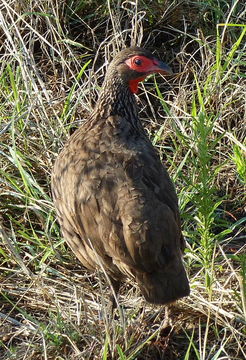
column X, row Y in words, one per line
column 160, row 67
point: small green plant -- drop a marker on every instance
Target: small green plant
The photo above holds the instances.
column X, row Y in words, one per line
column 239, row 158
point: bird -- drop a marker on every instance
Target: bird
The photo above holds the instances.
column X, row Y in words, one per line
column 115, row 202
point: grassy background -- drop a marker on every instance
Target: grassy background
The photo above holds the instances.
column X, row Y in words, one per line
column 53, row 59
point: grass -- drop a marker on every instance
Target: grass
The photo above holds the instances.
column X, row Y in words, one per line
column 53, row 59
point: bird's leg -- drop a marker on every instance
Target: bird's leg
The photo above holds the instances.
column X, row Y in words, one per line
column 115, row 286
column 115, row 289
column 107, row 312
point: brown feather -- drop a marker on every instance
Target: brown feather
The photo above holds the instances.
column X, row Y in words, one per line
column 114, row 197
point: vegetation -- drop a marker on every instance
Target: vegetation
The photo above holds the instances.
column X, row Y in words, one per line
column 53, row 59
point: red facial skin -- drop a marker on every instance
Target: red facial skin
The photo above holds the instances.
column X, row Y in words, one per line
column 146, row 66
column 133, row 84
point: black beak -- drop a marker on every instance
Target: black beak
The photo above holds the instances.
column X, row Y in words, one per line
column 162, row 68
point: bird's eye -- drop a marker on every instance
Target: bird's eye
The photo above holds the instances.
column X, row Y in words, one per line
column 138, row 62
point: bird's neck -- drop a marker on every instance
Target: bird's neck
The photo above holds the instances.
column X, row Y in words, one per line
column 117, row 99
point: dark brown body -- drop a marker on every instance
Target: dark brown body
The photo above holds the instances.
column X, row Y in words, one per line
column 116, row 204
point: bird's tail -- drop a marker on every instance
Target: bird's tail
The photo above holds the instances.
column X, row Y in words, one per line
column 165, row 285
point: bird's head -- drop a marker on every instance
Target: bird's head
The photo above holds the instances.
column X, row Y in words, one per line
column 134, row 64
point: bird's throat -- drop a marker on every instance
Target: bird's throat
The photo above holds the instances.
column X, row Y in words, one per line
column 133, row 84
column 117, row 98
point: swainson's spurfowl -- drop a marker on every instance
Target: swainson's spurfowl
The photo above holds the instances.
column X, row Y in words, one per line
column 116, row 204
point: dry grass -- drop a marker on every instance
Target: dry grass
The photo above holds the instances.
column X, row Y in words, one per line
column 53, row 59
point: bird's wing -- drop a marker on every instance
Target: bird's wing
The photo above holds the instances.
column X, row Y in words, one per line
column 149, row 213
